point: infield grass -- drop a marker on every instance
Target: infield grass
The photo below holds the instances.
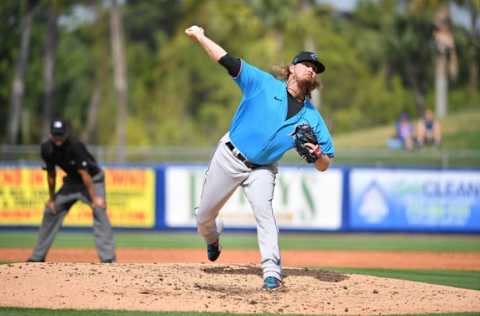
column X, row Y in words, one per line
column 456, row 278
column 288, row 241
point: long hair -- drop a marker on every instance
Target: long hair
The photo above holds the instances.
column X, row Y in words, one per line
column 283, row 73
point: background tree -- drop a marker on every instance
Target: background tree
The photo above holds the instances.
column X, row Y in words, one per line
column 380, row 61
column 49, row 65
column 445, row 61
column 445, row 54
column 18, row 85
column 410, row 53
column 120, row 75
column 473, row 45
column 99, row 60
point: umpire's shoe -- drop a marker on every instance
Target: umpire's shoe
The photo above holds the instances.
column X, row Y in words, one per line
column 213, row 251
column 271, row 283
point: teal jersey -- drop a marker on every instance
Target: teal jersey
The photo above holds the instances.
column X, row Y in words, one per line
column 259, row 128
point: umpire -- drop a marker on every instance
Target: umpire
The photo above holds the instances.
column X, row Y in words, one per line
column 84, row 181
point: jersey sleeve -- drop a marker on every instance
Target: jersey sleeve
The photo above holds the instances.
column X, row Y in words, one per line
column 81, row 155
column 232, row 64
column 324, row 139
column 46, row 153
column 250, row 78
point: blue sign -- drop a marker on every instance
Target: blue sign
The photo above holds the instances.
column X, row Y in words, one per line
column 414, row 200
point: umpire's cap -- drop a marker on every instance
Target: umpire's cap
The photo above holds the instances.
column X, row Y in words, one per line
column 58, row 127
column 311, row 57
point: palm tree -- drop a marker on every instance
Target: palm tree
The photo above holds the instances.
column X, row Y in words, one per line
column 309, row 45
column 100, row 61
column 51, row 40
column 18, row 86
column 473, row 46
column 120, row 75
column 408, row 52
column 445, row 58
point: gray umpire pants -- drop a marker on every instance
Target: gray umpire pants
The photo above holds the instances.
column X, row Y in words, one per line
column 71, row 191
column 225, row 173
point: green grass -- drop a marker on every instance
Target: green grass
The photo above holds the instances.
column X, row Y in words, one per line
column 382, row 242
column 459, row 130
column 290, row 241
column 463, row 138
column 455, row 278
column 386, row 242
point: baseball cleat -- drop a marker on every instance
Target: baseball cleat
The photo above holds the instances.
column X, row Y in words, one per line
column 213, row 250
column 271, row 283
column 35, row 260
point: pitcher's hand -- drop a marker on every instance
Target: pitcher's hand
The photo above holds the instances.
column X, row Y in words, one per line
column 99, row 202
column 195, row 32
column 314, row 149
column 50, row 204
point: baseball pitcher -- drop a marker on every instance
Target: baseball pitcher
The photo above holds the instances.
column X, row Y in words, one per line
column 274, row 116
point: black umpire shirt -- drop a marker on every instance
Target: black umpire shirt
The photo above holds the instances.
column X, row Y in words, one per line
column 71, row 156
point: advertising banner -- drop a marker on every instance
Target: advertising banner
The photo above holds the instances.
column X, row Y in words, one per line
column 130, row 198
column 415, row 199
column 303, row 199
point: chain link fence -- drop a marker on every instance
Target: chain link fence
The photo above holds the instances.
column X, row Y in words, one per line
column 426, row 157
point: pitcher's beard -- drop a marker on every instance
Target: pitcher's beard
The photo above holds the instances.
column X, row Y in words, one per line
column 307, row 86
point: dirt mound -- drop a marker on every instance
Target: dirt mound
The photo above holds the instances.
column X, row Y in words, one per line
column 220, row 288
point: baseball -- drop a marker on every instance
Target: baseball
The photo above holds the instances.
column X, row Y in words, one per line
column 194, row 30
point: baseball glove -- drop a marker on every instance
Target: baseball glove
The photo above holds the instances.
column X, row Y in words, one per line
column 304, row 134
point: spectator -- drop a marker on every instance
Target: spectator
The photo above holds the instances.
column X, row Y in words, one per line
column 428, row 130
column 404, row 136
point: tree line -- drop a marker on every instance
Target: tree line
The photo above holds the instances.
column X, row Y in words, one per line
column 124, row 73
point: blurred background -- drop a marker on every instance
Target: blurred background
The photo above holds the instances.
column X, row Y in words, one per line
column 136, row 89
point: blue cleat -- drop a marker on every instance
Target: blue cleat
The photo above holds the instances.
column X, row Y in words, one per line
column 213, row 251
column 271, row 283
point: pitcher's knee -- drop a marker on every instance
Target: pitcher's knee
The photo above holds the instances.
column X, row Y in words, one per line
column 202, row 225
column 205, row 218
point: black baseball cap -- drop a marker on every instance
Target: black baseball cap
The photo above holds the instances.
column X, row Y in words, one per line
column 311, row 57
column 58, row 127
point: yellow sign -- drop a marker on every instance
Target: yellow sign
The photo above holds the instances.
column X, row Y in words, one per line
column 130, row 198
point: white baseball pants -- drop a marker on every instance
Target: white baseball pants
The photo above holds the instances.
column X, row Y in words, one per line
column 225, row 173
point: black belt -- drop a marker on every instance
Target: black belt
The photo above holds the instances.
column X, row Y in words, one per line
column 241, row 157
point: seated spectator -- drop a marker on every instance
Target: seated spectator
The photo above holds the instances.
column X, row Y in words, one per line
column 405, row 131
column 428, row 130
column 404, row 134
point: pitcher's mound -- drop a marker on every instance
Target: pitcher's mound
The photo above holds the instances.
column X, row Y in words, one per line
column 220, row 288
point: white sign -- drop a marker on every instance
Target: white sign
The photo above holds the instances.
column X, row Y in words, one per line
column 303, row 199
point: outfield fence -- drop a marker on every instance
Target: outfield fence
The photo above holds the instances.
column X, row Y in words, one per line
column 164, row 196
column 425, row 157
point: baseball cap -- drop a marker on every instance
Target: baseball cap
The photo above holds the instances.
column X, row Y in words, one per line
column 58, row 128
column 311, row 57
